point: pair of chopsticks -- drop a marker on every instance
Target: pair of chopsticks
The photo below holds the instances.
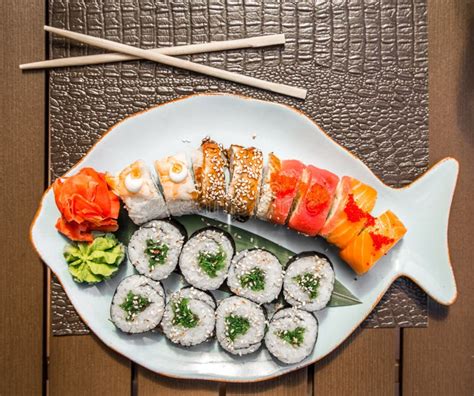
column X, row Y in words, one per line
column 166, row 55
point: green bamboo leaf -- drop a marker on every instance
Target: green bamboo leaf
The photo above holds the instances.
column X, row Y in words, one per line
column 341, row 296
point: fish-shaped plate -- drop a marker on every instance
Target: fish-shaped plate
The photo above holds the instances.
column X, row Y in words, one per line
column 422, row 255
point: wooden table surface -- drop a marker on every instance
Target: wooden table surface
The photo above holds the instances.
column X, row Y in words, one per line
column 433, row 361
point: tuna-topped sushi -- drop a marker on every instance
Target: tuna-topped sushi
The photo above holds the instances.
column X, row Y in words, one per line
column 313, row 201
column 206, row 257
column 350, row 212
column 139, row 192
column 155, row 247
column 211, row 174
column 189, row 317
column 309, row 281
column 138, row 304
column 177, row 182
column 246, row 169
column 279, row 188
column 291, row 335
column 240, row 325
column 257, row 275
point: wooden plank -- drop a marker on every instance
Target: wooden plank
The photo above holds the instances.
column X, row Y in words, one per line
column 365, row 364
column 292, row 384
column 439, row 360
column 83, row 365
column 22, row 183
column 149, row 383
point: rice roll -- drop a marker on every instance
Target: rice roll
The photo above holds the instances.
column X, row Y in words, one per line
column 246, row 170
column 137, row 189
column 291, row 335
column 138, row 304
column 313, row 201
column 206, row 257
column 155, row 247
column 210, row 173
column 350, row 211
column 240, row 325
column 309, row 281
column 177, row 182
column 373, row 242
column 279, row 188
column 257, row 275
column 189, row 317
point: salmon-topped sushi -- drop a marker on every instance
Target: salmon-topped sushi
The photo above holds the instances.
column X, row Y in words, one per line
column 350, row 211
column 313, row 201
column 279, row 189
column 374, row 242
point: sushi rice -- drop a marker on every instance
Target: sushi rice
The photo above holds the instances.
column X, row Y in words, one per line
column 257, row 275
column 189, row 317
column 291, row 335
column 309, row 281
column 138, row 304
column 155, row 247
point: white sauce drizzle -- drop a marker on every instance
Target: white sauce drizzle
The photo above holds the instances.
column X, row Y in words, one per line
column 133, row 184
column 178, row 172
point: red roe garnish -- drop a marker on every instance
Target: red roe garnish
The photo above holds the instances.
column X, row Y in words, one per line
column 356, row 214
column 379, row 240
column 283, row 184
column 317, row 199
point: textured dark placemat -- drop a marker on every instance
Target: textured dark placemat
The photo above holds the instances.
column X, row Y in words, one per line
column 364, row 63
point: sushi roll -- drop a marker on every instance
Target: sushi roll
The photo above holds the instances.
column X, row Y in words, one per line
column 211, row 174
column 240, row 325
column 206, row 257
column 138, row 304
column 177, row 182
column 139, row 192
column 313, row 201
column 155, row 247
column 291, row 335
column 257, row 275
column 246, row 170
column 309, row 281
column 373, row 242
column 189, row 317
column 350, row 212
column 279, row 188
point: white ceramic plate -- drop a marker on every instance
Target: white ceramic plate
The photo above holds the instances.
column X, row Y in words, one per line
column 180, row 125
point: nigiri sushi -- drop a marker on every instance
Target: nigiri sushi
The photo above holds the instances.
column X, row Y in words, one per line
column 138, row 191
column 313, row 201
column 177, row 182
column 372, row 243
column 210, row 174
column 246, row 169
column 279, row 189
column 350, row 211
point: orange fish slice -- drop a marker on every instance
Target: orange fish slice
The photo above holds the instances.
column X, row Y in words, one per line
column 350, row 212
column 372, row 243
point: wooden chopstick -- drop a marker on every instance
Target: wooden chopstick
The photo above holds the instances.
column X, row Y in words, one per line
column 181, row 63
column 251, row 42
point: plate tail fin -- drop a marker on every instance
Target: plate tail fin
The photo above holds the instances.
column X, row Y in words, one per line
column 429, row 201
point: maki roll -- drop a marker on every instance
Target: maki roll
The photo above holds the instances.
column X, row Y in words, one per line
column 138, row 191
column 240, row 325
column 291, row 335
column 309, row 281
column 374, row 242
column 177, row 182
column 350, row 212
column 257, row 275
column 206, row 257
column 279, row 189
column 138, row 304
column 155, row 247
column 210, row 173
column 313, row 201
column 246, row 169
column 189, row 317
